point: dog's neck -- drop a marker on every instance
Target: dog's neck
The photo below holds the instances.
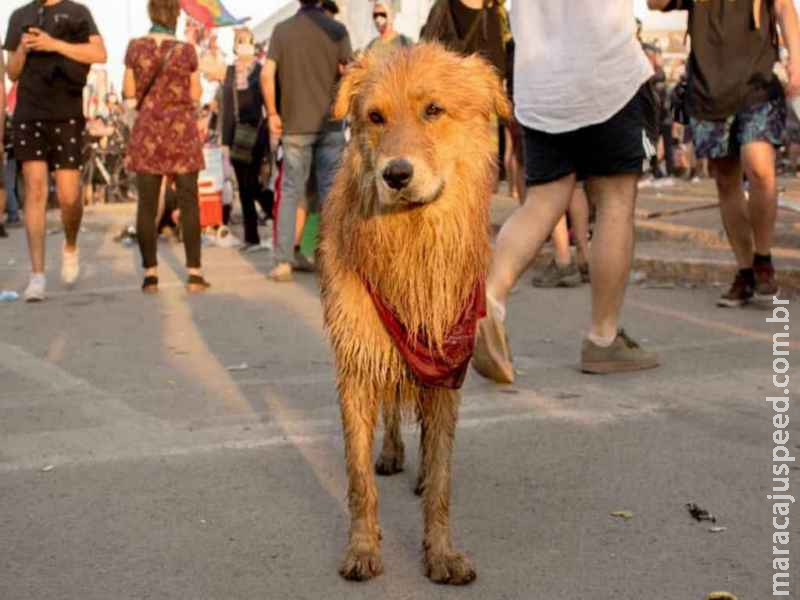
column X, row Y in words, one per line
column 423, row 261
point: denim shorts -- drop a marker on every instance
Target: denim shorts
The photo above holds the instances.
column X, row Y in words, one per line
column 765, row 122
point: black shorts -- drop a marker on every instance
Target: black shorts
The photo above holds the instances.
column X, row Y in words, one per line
column 618, row 146
column 59, row 143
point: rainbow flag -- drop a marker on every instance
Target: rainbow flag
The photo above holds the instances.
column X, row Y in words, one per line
column 211, row 13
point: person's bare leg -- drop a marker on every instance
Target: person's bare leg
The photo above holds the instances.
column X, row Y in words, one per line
column 523, row 234
column 35, row 177
column 560, row 239
column 2, row 205
column 733, row 209
column 615, row 198
column 300, row 224
column 579, row 216
column 511, row 165
column 758, row 162
column 519, row 180
column 68, row 189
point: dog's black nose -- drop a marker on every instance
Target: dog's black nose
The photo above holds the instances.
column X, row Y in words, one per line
column 398, row 173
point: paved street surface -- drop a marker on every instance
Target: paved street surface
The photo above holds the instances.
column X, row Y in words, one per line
column 135, row 463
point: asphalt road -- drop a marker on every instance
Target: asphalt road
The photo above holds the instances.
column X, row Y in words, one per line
column 135, row 463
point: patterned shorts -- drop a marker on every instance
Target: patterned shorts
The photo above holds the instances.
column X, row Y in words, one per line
column 763, row 122
column 59, row 143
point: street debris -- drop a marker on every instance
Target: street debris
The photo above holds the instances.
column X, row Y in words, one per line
column 47, row 468
column 509, row 391
column 566, row 396
column 717, row 529
column 8, row 296
column 241, row 367
column 622, row 514
column 638, row 277
column 700, row 514
column 721, row 596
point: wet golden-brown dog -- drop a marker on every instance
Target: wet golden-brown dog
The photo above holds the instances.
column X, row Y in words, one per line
column 408, row 217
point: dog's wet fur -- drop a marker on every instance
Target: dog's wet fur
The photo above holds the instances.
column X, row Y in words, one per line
column 408, row 215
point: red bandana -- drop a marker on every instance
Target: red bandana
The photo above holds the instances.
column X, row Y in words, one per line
column 445, row 370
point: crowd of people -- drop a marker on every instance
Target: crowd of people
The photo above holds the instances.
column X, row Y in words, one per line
column 582, row 133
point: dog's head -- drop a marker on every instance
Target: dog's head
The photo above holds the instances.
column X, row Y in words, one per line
column 416, row 114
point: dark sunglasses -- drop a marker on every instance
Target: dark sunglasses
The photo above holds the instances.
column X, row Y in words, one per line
column 379, row 15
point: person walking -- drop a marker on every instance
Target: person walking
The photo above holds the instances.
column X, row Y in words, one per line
column 51, row 45
column 244, row 133
column 582, row 121
column 737, row 116
column 388, row 38
column 161, row 74
column 306, row 56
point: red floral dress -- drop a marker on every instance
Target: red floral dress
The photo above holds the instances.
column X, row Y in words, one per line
column 165, row 139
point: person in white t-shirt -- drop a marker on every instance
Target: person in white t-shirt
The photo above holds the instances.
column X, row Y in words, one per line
column 579, row 73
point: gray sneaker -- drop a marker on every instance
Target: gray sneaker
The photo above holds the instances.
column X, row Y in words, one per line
column 623, row 355
column 554, row 276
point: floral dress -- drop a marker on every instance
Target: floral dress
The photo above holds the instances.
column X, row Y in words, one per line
column 165, row 139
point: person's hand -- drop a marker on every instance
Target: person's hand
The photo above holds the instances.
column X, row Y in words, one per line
column 275, row 126
column 39, row 40
column 793, row 73
column 26, row 39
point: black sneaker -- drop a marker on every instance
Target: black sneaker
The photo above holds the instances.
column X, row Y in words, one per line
column 739, row 294
column 3, row 233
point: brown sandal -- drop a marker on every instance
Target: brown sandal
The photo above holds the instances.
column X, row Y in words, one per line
column 150, row 285
column 196, row 284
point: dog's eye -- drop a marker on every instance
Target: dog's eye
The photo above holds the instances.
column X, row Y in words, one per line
column 433, row 110
column 376, row 117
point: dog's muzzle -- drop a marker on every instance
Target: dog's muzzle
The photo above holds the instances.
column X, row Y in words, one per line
column 398, row 174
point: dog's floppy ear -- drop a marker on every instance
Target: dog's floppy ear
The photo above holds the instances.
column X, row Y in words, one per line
column 353, row 77
column 487, row 80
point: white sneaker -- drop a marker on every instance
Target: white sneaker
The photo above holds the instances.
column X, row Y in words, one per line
column 35, row 292
column 70, row 266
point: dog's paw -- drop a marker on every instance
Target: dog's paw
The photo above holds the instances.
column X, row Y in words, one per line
column 390, row 464
column 452, row 569
column 361, row 565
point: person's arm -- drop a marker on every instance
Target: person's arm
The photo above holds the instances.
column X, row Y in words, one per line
column 16, row 62
column 16, row 53
column 790, row 28
column 196, row 90
column 129, row 85
column 92, row 52
column 268, row 89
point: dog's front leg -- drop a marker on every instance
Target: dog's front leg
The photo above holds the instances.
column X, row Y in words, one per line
column 442, row 563
column 359, row 405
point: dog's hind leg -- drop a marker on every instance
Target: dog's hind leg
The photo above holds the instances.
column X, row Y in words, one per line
column 392, row 454
column 439, row 412
column 359, row 405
